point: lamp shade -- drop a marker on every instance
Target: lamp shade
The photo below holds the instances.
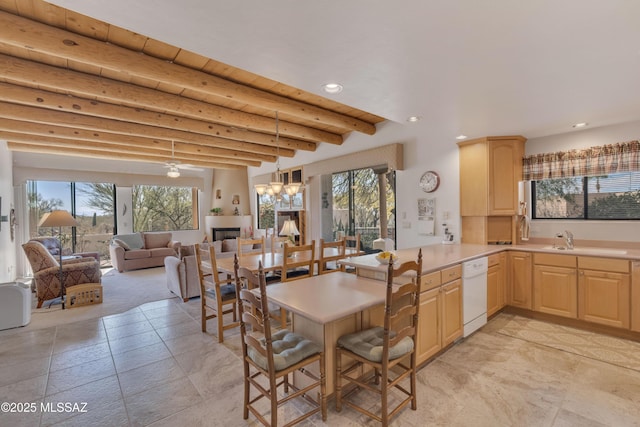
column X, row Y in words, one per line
column 58, row 219
column 289, row 228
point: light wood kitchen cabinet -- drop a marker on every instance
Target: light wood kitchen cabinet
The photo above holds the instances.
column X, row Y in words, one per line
column 604, row 291
column 635, row 296
column 451, row 312
column 440, row 321
column 555, row 285
column 429, row 330
column 519, row 289
column 490, row 169
column 496, row 291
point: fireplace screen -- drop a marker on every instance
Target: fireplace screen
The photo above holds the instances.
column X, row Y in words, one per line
column 225, row 233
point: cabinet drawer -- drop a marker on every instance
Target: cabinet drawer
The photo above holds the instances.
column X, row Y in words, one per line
column 429, row 281
column 493, row 259
column 555, row 260
column 451, row 273
column 605, row 264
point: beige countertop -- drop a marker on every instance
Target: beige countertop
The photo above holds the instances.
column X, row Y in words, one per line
column 438, row 256
column 327, row 297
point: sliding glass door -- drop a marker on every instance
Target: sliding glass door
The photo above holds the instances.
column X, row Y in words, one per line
column 358, row 206
column 92, row 204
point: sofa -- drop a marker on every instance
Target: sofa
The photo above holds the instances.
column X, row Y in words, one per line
column 227, row 247
column 182, row 273
column 142, row 250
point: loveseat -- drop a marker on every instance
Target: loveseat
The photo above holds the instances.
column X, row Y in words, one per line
column 227, row 247
column 141, row 250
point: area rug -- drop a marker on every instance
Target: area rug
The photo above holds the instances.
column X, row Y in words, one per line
column 121, row 292
column 616, row 351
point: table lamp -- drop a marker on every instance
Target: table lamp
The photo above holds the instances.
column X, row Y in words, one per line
column 290, row 229
column 59, row 219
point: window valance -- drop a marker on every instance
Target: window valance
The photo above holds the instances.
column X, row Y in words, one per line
column 593, row 161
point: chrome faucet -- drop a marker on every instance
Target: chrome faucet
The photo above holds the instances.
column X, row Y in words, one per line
column 568, row 239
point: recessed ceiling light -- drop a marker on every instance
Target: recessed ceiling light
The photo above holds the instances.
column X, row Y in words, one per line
column 580, row 125
column 461, row 137
column 332, row 88
column 413, row 119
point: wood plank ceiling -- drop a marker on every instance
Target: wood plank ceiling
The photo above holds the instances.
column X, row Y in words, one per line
column 71, row 85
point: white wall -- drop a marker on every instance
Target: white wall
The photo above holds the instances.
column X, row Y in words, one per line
column 7, row 247
column 625, row 231
column 423, row 151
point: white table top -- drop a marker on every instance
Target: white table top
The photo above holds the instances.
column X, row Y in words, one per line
column 328, row 297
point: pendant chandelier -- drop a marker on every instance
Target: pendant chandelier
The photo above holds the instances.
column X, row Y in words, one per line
column 275, row 187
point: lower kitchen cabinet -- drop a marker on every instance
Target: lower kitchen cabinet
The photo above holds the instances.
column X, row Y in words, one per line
column 440, row 321
column 604, row 296
column 555, row 286
column 635, row 296
column 519, row 286
column 496, row 291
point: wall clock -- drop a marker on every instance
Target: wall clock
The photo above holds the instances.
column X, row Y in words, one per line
column 429, row 181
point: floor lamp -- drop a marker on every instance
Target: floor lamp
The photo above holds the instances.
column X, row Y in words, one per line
column 59, row 219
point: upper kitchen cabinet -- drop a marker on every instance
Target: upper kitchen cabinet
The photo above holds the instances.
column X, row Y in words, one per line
column 490, row 169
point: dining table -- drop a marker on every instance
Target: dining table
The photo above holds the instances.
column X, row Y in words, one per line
column 273, row 261
column 325, row 307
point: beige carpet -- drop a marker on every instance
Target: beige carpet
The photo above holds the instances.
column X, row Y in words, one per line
column 122, row 292
column 616, row 351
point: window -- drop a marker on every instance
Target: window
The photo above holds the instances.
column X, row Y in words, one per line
column 607, row 197
column 266, row 211
column 90, row 203
column 356, row 205
column 158, row 208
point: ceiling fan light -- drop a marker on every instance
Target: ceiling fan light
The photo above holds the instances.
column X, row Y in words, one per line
column 173, row 172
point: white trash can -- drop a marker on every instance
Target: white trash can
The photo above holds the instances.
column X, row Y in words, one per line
column 15, row 305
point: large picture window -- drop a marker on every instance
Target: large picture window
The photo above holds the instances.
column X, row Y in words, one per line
column 614, row 196
column 159, row 208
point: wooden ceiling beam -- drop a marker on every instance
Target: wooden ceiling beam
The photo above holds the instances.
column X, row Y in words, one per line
column 71, row 104
column 124, row 142
column 79, row 151
column 41, row 38
column 59, row 118
column 68, row 147
column 31, row 73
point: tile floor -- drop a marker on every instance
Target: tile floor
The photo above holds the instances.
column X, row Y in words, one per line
column 151, row 366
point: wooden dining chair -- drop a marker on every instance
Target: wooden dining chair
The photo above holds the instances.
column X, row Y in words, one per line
column 382, row 352
column 217, row 294
column 246, row 245
column 269, row 359
column 278, row 243
column 298, row 261
column 335, row 251
column 353, row 242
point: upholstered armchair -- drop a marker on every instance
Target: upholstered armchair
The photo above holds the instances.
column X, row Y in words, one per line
column 53, row 246
column 46, row 271
column 182, row 274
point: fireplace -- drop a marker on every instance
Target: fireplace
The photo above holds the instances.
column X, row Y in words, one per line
column 225, row 233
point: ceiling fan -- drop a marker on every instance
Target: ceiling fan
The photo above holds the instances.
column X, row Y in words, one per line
column 175, row 166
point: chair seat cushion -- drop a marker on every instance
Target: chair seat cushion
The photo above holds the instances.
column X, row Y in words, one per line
column 226, row 291
column 289, row 348
column 368, row 344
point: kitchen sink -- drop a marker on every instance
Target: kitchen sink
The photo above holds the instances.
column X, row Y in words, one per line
column 603, row 251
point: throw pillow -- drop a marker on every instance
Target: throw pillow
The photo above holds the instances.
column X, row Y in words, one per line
column 133, row 240
column 122, row 244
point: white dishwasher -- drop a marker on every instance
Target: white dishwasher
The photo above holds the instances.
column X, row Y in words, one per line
column 474, row 294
